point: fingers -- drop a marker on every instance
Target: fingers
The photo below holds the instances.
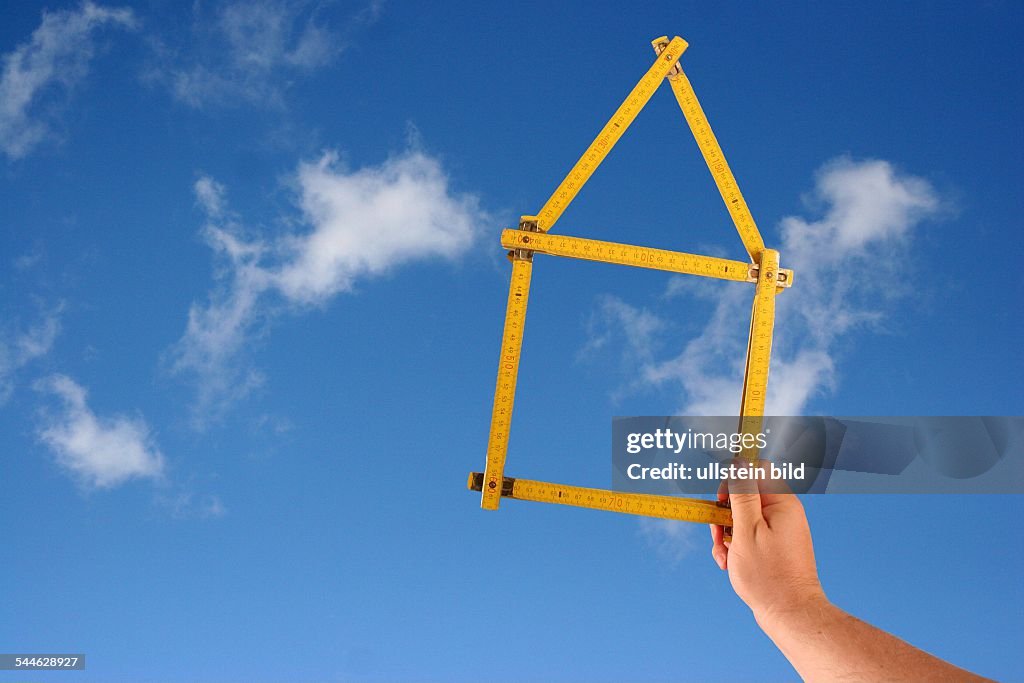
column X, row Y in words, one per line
column 723, row 491
column 745, row 500
column 719, row 551
column 775, row 491
column 719, row 548
column 778, row 499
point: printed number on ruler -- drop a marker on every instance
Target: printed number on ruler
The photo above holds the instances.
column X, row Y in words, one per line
column 508, row 370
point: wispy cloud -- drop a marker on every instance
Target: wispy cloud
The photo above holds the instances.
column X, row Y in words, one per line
column 249, row 52
column 869, row 211
column 19, row 347
column 639, row 326
column 98, row 452
column 360, row 223
column 185, row 504
column 670, row 540
column 54, row 59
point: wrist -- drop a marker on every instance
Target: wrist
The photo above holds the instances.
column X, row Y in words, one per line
column 810, row 606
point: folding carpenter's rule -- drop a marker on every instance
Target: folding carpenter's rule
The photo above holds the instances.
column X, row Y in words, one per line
column 762, row 270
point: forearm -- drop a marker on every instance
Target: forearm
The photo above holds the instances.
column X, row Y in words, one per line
column 824, row 643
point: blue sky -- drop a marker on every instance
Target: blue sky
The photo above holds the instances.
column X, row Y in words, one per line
column 252, row 293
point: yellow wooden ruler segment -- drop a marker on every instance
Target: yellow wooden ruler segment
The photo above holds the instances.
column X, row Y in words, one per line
column 610, row 134
column 759, row 349
column 665, row 507
column 508, row 370
column 640, row 257
column 714, row 158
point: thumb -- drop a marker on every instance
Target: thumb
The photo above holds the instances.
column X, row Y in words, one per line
column 744, row 498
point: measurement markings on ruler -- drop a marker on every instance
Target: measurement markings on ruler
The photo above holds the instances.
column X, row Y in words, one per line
column 640, row 257
column 759, row 350
column 508, row 371
column 665, row 507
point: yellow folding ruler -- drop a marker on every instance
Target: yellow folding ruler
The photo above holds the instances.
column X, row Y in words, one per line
column 532, row 238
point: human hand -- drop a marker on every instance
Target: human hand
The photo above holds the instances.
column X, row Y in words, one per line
column 771, row 566
column 770, row 558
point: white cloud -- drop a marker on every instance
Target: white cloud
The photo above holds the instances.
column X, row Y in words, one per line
column 210, row 195
column 56, row 56
column 262, row 35
column 370, row 220
column 249, row 51
column 870, row 211
column 184, row 504
column 639, row 326
column 18, row 348
column 98, row 452
column 670, row 540
column 797, row 378
column 361, row 223
column 868, row 202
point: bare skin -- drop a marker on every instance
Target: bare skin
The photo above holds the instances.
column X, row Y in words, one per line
column 771, row 566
